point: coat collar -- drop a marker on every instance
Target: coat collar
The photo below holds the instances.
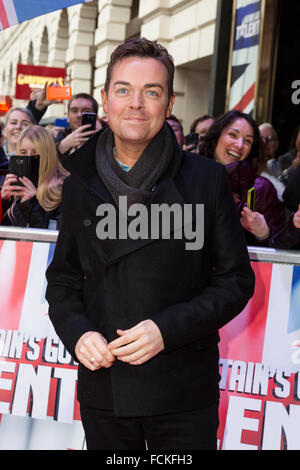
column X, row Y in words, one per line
column 81, row 164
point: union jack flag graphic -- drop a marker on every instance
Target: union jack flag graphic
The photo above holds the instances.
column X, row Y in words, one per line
column 260, row 366
column 38, row 401
column 245, row 55
column 13, row 12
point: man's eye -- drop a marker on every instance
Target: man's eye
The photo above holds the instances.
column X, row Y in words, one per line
column 122, row 91
column 152, row 93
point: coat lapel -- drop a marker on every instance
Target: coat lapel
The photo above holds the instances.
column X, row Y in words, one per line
column 81, row 164
column 165, row 193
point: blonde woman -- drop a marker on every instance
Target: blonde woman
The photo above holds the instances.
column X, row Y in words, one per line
column 32, row 206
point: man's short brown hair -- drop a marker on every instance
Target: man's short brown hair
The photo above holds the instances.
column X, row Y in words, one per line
column 142, row 47
column 85, row 96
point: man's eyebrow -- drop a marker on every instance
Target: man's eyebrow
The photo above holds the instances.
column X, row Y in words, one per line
column 120, row 82
column 153, row 85
column 147, row 85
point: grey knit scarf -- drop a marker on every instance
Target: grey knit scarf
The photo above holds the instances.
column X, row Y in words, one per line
column 139, row 181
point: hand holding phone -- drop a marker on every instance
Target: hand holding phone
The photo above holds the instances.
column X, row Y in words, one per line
column 9, row 188
column 76, row 139
column 192, row 140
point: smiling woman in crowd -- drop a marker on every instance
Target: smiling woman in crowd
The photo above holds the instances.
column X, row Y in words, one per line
column 15, row 121
column 233, row 140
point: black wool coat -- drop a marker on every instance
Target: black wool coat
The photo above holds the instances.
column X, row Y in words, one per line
column 103, row 285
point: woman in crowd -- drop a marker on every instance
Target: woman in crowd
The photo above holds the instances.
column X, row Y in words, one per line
column 29, row 206
column 233, row 140
column 15, row 121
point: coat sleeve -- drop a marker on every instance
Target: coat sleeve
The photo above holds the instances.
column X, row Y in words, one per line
column 65, row 286
column 291, row 195
column 231, row 282
column 268, row 204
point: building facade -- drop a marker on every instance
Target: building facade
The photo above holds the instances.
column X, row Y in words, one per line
column 81, row 39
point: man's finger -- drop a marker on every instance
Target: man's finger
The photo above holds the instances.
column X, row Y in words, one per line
column 126, row 337
column 127, row 349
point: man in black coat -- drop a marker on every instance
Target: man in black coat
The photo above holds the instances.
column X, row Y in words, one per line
column 150, row 262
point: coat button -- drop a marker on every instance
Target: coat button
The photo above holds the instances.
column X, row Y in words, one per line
column 87, row 222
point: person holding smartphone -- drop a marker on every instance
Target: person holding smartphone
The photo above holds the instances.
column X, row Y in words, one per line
column 77, row 133
column 27, row 204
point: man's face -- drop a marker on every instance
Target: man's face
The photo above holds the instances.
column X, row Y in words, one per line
column 270, row 142
column 77, row 107
column 203, row 127
column 137, row 101
column 177, row 131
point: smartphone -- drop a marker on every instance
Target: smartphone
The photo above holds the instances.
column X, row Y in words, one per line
column 192, row 139
column 251, row 199
column 23, row 165
column 58, row 93
column 89, row 118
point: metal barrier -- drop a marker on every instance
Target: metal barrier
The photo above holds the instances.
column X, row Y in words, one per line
column 259, row 355
column 262, row 254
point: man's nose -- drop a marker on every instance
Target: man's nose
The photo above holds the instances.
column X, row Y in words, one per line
column 137, row 101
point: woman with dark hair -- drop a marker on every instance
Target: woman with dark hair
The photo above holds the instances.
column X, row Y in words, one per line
column 233, row 140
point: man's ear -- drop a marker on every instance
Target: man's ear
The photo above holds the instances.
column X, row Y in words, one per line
column 104, row 100
column 170, row 106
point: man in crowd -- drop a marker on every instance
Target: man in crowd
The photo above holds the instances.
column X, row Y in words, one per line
column 177, row 128
column 76, row 134
column 269, row 139
column 137, row 300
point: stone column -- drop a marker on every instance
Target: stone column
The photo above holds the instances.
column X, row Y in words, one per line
column 82, row 21
column 112, row 20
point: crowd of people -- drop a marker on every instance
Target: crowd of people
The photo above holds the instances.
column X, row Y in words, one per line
column 233, row 139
